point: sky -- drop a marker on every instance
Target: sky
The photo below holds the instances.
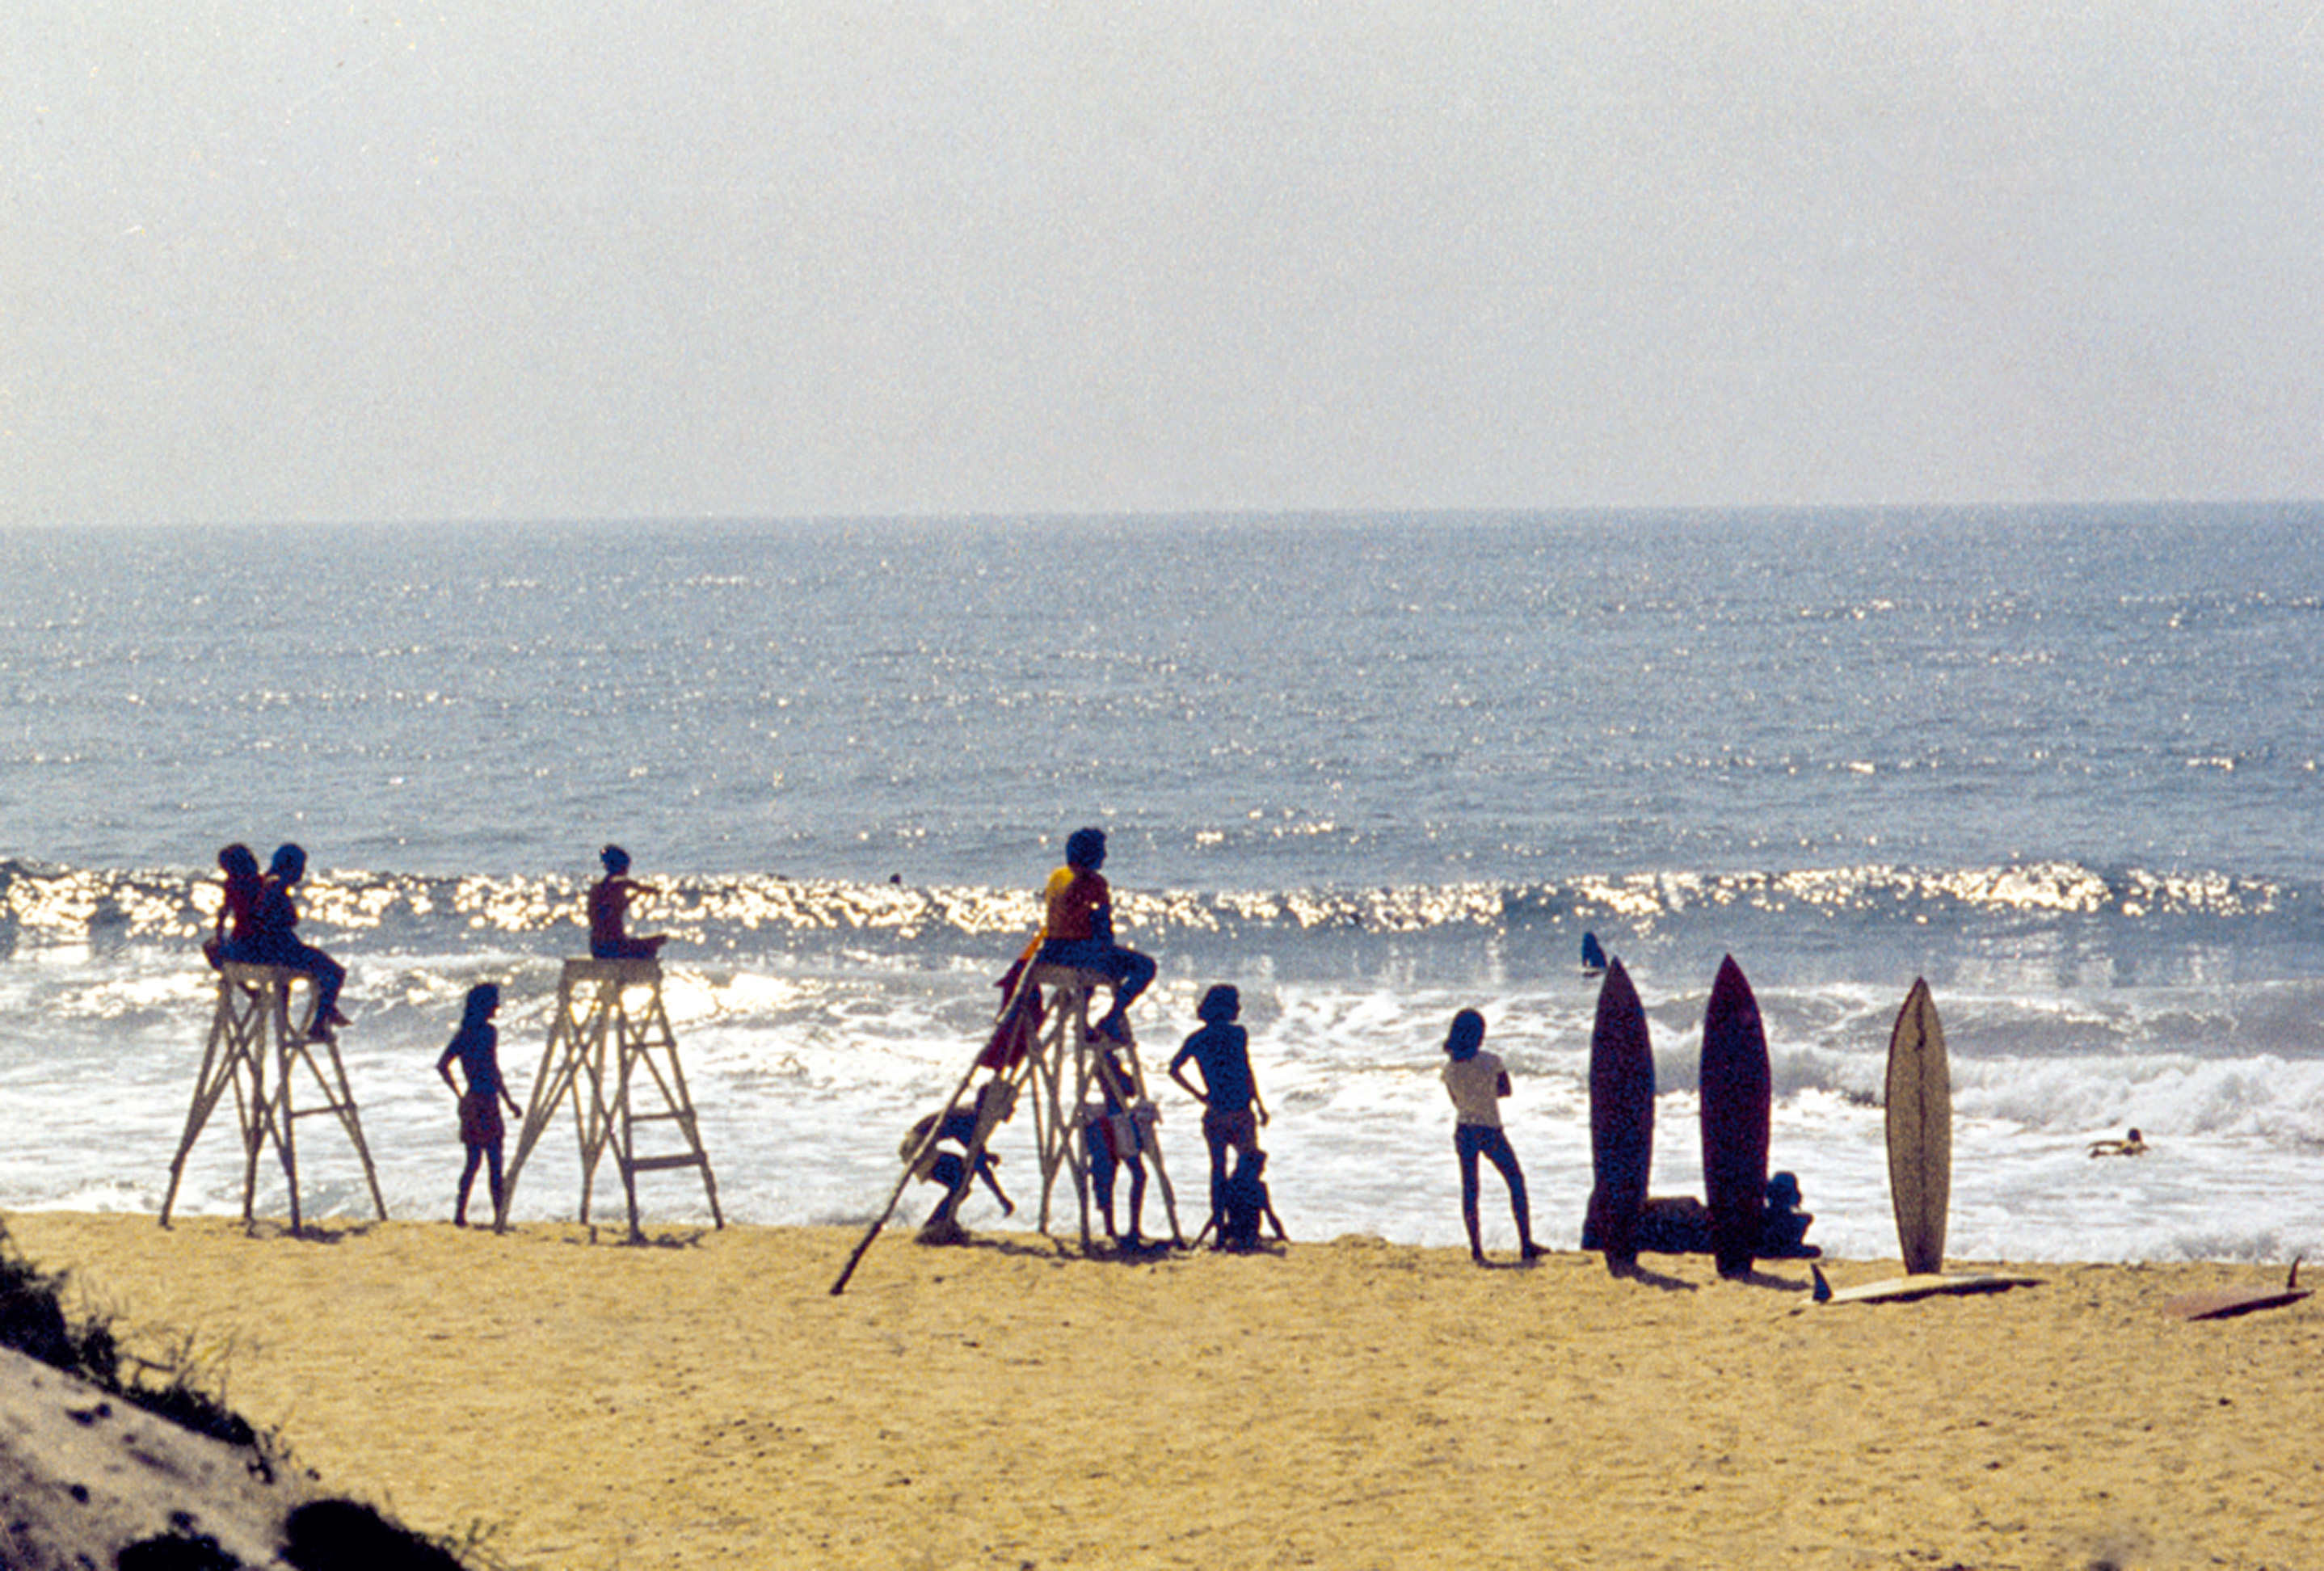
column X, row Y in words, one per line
column 263, row 261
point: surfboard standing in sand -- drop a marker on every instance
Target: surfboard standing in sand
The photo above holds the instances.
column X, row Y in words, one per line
column 1920, row 1096
column 1621, row 1118
column 1734, row 1082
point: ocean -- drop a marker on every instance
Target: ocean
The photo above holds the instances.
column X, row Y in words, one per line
column 2063, row 762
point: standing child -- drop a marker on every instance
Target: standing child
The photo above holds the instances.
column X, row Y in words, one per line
column 609, row 906
column 1476, row 1080
column 477, row 1046
column 1232, row 1111
column 1112, row 1138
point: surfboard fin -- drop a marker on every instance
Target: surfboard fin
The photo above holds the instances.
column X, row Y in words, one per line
column 2293, row 1280
column 1822, row 1288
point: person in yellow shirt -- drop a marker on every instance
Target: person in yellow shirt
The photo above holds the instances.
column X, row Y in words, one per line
column 1079, row 931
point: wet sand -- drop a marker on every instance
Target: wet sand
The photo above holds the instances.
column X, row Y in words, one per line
column 704, row 1401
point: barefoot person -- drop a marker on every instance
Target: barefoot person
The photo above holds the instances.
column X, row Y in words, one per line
column 609, row 908
column 477, row 1045
column 1232, row 1110
column 1079, row 931
column 1113, row 1136
column 1476, row 1080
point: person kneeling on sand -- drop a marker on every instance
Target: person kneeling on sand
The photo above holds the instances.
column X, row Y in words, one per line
column 1476, row 1081
column 477, row 1045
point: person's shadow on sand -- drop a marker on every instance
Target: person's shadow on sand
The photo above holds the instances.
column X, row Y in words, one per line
column 1639, row 1274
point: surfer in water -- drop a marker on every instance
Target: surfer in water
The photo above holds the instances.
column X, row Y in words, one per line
column 2132, row 1145
column 1079, row 931
column 1477, row 1080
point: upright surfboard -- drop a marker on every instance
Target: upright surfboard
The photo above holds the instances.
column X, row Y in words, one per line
column 1621, row 1117
column 1735, row 1095
column 1920, row 1132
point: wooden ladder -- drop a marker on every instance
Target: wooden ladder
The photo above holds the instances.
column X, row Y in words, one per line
column 602, row 1056
column 255, row 1052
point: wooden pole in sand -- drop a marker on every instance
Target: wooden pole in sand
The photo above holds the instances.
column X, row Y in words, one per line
column 1003, row 1020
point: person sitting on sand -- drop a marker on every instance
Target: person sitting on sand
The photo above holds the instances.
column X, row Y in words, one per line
column 1232, row 1109
column 1079, row 930
column 1783, row 1226
column 477, row 1045
column 272, row 939
column 962, row 1126
column 1248, row 1203
column 1476, row 1080
column 2132, row 1145
column 1112, row 1138
column 609, row 906
column 237, row 906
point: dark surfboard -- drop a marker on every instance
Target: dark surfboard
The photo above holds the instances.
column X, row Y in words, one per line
column 1735, row 1097
column 1621, row 1117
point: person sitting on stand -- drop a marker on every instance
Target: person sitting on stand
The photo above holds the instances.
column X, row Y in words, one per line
column 237, row 906
column 1079, row 932
column 271, row 940
column 609, row 906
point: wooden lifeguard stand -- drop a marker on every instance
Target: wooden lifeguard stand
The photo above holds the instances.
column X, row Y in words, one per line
column 1055, row 1074
column 255, row 1052
column 601, row 1056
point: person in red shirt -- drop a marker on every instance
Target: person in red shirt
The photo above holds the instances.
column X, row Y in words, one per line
column 238, row 908
column 609, row 905
column 1079, row 932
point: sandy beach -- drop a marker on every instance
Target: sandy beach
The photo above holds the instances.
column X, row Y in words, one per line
column 703, row 1400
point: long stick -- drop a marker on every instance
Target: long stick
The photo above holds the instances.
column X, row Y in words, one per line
column 896, row 1196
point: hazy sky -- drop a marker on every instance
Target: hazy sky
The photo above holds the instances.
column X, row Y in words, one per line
column 574, row 259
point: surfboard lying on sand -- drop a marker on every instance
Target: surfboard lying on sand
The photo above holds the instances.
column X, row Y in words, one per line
column 1919, row 1098
column 1621, row 1117
column 1904, row 1289
column 2224, row 1303
column 1735, row 1088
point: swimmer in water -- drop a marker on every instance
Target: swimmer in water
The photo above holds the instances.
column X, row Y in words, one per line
column 2132, row 1145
